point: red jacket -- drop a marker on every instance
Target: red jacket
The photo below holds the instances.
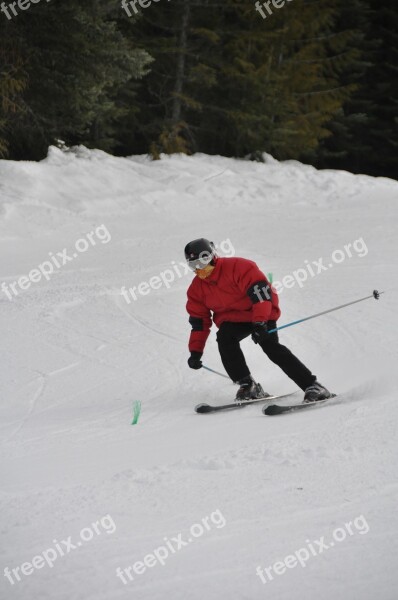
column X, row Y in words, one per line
column 235, row 291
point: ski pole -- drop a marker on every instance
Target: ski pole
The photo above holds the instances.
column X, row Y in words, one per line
column 216, row 372
column 375, row 295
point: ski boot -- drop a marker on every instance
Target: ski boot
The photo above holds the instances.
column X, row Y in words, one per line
column 249, row 390
column 315, row 393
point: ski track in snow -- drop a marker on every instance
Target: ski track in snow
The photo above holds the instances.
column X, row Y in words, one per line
column 32, row 405
column 75, row 356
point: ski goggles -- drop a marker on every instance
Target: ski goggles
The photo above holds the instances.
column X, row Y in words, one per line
column 200, row 262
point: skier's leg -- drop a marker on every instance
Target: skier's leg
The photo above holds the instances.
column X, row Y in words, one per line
column 285, row 359
column 228, row 337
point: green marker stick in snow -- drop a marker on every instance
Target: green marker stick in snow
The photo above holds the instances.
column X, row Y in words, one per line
column 136, row 412
column 269, row 275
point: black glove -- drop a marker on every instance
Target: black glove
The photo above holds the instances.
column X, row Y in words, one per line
column 194, row 360
column 260, row 332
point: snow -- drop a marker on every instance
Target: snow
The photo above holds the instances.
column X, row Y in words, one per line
column 75, row 355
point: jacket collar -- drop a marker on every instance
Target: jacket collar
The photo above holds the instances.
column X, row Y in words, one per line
column 215, row 274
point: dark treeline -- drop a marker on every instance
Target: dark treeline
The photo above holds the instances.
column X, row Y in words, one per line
column 317, row 81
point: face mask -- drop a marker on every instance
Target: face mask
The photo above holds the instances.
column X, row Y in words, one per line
column 205, row 272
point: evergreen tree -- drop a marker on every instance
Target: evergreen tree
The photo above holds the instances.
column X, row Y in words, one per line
column 286, row 69
column 316, row 80
column 77, row 64
column 13, row 81
column 238, row 83
column 347, row 145
column 381, row 134
column 366, row 130
column 164, row 31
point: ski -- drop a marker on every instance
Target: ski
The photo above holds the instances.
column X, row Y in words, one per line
column 208, row 408
column 275, row 409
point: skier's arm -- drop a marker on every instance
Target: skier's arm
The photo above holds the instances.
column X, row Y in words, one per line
column 200, row 321
column 254, row 283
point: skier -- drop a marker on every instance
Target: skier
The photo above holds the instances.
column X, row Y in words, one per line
column 237, row 296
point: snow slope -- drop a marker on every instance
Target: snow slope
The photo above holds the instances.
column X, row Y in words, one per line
column 75, row 355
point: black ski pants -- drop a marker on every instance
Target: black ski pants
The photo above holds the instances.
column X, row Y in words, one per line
column 230, row 334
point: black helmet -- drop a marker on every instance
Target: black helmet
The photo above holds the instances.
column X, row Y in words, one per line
column 200, row 253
